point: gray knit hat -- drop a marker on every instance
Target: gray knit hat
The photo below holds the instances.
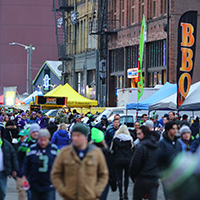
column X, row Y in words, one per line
column 34, row 127
column 149, row 124
column 81, row 128
column 184, row 129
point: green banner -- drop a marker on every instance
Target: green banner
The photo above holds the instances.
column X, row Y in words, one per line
column 140, row 58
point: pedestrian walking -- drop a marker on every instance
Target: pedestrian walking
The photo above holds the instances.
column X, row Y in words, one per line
column 122, row 147
column 144, row 119
column 37, row 165
column 110, row 132
column 52, row 127
column 80, row 171
column 104, row 124
column 41, row 120
column 134, row 132
column 195, row 127
column 186, row 138
column 144, row 165
column 169, row 148
column 97, row 138
column 23, row 134
column 61, row 137
column 61, row 118
column 172, row 117
column 22, row 121
column 33, row 118
column 77, row 120
column 8, row 165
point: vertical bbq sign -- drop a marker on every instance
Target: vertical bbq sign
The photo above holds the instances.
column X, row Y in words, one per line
column 187, row 34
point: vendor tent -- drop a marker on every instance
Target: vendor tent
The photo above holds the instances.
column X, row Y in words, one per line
column 33, row 95
column 169, row 103
column 167, row 90
column 74, row 98
column 17, row 101
column 192, row 101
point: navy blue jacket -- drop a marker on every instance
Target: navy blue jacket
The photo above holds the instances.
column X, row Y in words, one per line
column 60, row 138
column 109, row 134
column 37, row 166
column 100, row 126
column 195, row 128
column 168, row 150
column 195, row 145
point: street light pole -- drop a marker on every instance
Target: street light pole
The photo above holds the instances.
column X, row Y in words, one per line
column 29, row 50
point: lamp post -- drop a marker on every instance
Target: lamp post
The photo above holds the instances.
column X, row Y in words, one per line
column 29, row 50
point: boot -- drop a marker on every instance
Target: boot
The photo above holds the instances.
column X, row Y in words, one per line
column 125, row 195
column 121, row 197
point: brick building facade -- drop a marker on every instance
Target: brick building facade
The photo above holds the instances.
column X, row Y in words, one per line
column 123, row 45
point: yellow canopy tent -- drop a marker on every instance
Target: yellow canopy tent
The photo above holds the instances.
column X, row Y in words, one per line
column 52, row 91
column 74, row 98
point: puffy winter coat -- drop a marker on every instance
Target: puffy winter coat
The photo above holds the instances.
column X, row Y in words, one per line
column 195, row 127
column 62, row 118
column 122, row 149
column 168, row 150
column 144, row 163
column 9, row 158
column 60, row 138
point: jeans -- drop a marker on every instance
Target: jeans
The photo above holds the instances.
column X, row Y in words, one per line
column 105, row 193
column 120, row 169
column 3, row 185
column 49, row 195
column 145, row 186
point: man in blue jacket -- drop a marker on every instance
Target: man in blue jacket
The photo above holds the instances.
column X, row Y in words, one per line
column 110, row 132
column 37, row 166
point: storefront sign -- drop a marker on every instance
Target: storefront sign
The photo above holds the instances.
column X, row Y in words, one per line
column 50, row 100
column 132, row 73
column 187, row 31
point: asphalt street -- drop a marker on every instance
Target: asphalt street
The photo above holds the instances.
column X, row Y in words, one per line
column 12, row 193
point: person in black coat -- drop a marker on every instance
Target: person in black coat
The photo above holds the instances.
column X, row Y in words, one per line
column 122, row 146
column 144, row 165
column 97, row 138
column 52, row 127
column 169, row 148
column 195, row 127
column 12, row 134
column 8, row 164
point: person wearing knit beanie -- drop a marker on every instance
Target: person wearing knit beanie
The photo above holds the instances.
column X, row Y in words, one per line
column 186, row 138
column 97, row 135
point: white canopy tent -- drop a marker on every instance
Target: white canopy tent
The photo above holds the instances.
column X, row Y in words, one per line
column 192, row 101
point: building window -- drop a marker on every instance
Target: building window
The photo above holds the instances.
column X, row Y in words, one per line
column 164, row 6
column 122, row 12
column 117, row 60
column 89, row 35
column 77, row 37
column 114, row 13
column 142, row 9
column 154, row 9
column 132, row 56
column 132, row 11
column 156, row 62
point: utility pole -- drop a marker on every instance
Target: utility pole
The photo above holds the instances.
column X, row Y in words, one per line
column 30, row 69
column 74, row 49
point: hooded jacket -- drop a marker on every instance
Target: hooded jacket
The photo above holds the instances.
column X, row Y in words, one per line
column 52, row 128
column 168, row 150
column 9, row 157
column 32, row 120
column 60, row 138
column 62, row 118
column 77, row 179
column 195, row 128
column 122, row 149
column 144, row 163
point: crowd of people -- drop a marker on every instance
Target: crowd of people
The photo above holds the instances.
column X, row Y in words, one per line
column 85, row 160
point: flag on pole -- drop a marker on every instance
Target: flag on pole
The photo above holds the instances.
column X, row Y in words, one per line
column 140, row 58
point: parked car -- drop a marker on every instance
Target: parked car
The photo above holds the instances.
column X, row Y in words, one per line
column 125, row 119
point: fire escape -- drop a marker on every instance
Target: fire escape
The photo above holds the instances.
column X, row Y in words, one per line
column 61, row 8
column 102, row 26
